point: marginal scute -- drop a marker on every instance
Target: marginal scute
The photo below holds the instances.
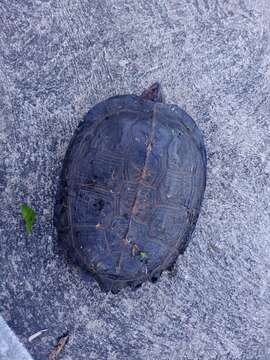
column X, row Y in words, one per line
column 130, row 190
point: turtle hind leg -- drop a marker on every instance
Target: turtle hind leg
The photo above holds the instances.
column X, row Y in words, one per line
column 153, row 93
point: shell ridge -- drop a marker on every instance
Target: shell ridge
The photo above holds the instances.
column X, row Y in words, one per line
column 148, row 151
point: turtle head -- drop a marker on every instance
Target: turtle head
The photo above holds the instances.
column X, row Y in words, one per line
column 153, row 93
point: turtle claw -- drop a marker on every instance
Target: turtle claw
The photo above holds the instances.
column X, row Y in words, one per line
column 155, row 277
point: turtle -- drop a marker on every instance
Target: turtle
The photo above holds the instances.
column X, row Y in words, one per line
column 131, row 188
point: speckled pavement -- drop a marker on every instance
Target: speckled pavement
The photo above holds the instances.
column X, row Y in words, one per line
column 57, row 59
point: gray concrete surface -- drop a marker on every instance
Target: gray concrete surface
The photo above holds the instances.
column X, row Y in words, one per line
column 10, row 347
column 57, row 59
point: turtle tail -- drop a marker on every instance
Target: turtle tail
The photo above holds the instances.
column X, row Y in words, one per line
column 153, row 93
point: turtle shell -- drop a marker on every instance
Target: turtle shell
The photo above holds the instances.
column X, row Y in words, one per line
column 130, row 190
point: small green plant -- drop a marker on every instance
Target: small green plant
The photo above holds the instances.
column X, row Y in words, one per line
column 29, row 217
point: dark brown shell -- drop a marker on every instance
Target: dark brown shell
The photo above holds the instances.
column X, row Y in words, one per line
column 130, row 191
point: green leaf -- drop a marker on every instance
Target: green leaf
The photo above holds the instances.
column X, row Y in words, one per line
column 143, row 254
column 29, row 217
